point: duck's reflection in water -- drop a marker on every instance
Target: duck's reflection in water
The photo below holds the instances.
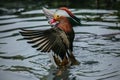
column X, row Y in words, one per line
column 58, row 74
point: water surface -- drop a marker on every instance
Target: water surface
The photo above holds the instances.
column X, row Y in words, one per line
column 98, row 52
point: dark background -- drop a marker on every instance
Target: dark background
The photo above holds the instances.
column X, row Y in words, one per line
column 106, row 4
column 37, row 4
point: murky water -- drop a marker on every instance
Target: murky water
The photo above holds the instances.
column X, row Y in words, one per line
column 98, row 53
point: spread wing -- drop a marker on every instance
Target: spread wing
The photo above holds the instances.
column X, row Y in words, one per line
column 48, row 14
column 46, row 40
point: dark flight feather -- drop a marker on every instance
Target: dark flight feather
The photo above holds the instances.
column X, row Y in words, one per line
column 46, row 40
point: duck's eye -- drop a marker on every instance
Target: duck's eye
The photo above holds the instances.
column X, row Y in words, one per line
column 58, row 16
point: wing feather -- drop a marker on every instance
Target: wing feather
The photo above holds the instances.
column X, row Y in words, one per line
column 46, row 40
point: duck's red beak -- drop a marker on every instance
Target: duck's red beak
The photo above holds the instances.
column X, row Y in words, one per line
column 52, row 21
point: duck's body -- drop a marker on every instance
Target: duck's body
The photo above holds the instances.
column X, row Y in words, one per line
column 59, row 39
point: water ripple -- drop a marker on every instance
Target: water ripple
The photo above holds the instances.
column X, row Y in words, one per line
column 94, row 47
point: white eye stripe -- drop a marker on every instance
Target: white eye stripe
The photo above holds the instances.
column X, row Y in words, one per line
column 62, row 13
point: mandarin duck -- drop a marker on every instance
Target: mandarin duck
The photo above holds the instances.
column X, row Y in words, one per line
column 58, row 39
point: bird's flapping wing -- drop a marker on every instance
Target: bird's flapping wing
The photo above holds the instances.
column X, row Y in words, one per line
column 46, row 40
column 49, row 14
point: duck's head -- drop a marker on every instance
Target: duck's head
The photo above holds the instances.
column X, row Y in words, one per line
column 65, row 12
column 59, row 14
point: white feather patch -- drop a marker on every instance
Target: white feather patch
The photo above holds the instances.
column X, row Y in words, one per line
column 62, row 13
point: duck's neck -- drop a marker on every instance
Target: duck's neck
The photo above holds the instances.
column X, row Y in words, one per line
column 65, row 25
